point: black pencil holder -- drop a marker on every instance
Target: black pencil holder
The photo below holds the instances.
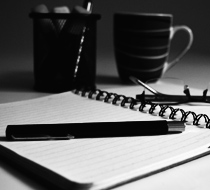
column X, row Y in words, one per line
column 64, row 51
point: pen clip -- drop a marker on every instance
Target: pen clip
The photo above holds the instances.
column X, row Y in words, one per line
column 38, row 137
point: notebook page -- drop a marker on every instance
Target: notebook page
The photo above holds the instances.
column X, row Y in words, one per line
column 64, row 107
column 103, row 161
column 108, row 162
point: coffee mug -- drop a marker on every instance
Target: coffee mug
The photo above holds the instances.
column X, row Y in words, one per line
column 142, row 43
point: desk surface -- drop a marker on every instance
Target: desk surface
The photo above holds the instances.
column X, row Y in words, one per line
column 16, row 83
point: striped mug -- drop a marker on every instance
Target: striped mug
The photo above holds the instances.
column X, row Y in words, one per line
column 142, row 42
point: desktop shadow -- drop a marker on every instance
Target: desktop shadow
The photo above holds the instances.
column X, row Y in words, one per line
column 3, row 139
column 21, row 81
column 105, row 79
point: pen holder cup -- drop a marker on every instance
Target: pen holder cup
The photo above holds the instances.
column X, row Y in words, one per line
column 64, row 51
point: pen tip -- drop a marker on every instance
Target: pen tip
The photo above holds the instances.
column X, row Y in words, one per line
column 176, row 126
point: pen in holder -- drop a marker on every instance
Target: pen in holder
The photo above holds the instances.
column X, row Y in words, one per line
column 65, row 57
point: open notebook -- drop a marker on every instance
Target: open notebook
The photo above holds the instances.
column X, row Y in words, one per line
column 99, row 163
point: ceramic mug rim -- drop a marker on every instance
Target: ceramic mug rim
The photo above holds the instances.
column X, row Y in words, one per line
column 144, row 14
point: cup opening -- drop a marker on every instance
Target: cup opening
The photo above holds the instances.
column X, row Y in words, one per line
column 144, row 14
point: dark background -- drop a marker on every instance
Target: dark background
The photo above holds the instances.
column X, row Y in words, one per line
column 16, row 39
column 16, row 26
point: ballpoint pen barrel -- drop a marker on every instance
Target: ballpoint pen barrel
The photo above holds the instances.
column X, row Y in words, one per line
column 88, row 5
column 92, row 130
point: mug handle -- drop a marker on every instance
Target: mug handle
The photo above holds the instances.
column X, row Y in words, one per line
column 169, row 65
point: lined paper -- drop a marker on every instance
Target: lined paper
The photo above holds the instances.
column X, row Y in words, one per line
column 103, row 162
column 65, row 107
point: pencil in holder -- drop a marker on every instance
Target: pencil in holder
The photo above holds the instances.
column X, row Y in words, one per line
column 64, row 51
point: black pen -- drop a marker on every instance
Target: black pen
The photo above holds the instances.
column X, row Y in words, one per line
column 67, row 131
column 88, row 5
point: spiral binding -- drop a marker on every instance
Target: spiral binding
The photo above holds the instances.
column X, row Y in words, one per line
column 166, row 111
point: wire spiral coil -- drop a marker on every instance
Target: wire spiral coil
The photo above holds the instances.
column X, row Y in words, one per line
column 132, row 103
